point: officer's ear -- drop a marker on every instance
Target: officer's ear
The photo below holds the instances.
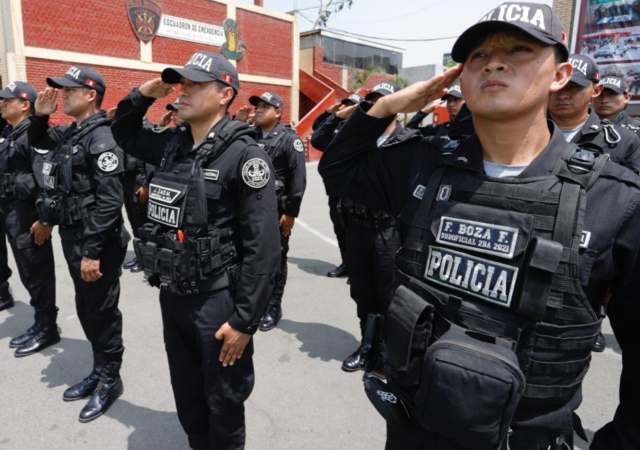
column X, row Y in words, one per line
column 92, row 95
column 278, row 113
column 597, row 90
column 561, row 77
column 227, row 97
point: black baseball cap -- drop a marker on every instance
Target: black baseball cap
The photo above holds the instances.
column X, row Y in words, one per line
column 585, row 70
column 79, row 76
column 534, row 19
column 19, row 89
column 353, row 99
column 202, row 67
column 454, row 91
column 614, row 83
column 269, row 98
column 382, row 89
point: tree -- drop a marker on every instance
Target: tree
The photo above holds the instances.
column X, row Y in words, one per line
column 327, row 8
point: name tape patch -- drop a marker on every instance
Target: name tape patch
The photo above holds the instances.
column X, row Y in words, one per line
column 211, row 174
column 164, row 214
column 497, row 240
column 482, row 278
column 163, row 194
column 585, row 239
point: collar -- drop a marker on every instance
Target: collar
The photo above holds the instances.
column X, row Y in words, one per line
column 591, row 126
column 89, row 120
column 188, row 146
column 18, row 129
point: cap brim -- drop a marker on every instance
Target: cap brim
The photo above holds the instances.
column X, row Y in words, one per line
column 480, row 31
column 580, row 80
column 173, row 76
column 452, row 94
column 615, row 89
column 347, row 102
column 62, row 82
column 6, row 93
column 379, row 93
column 256, row 100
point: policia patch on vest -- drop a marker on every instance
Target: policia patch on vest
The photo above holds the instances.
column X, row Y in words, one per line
column 497, row 240
column 256, row 173
column 108, row 162
column 482, row 278
column 158, row 210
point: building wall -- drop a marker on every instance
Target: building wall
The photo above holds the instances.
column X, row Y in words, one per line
column 49, row 37
column 565, row 9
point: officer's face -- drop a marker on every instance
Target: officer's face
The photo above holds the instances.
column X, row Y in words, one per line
column 76, row 101
column 266, row 114
column 13, row 109
column 454, row 105
column 572, row 101
column 610, row 104
column 201, row 101
column 509, row 75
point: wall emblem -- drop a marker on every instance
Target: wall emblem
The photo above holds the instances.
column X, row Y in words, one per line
column 144, row 16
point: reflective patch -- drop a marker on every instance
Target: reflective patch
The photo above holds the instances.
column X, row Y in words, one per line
column 418, row 192
column 585, row 238
column 256, row 173
column 479, row 277
column 298, row 145
column 482, row 237
column 75, row 149
column 163, row 194
column 211, row 174
column 48, row 179
column 40, row 151
column 164, row 214
column 387, row 396
column 108, row 161
column 444, row 193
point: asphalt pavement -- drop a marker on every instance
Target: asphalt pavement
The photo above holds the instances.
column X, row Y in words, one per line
column 302, row 400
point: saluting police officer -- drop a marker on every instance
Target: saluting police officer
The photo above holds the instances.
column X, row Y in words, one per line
column 518, row 238
column 453, row 101
column 30, row 242
column 210, row 243
column 82, row 177
column 325, row 127
column 6, row 298
column 570, row 109
column 612, row 103
column 287, row 153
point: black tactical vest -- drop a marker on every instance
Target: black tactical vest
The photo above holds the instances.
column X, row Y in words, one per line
column 491, row 312
column 66, row 174
column 178, row 248
column 7, row 153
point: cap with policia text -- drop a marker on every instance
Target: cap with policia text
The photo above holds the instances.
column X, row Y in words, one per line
column 585, row 70
column 203, row 67
column 381, row 89
column 614, row 83
column 269, row 98
column 536, row 20
column 79, row 76
column 19, row 89
column 353, row 99
column 454, row 91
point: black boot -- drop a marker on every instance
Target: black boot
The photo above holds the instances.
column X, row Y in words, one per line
column 108, row 390
column 354, row 361
column 271, row 318
column 82, row 389
column 6, row 299
column 43, row 338
column 137, row 267
column 22, row 339
column 600, row 344
column 129, row 264
column 338, row 272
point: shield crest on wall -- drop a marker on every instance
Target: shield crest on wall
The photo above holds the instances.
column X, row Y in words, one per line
column 144, row 17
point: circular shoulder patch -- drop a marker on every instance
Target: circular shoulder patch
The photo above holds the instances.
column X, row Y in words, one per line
column 298, row 145
column 108, row 161
column 256, row 173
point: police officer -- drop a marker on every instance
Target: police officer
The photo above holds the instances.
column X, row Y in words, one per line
column 29, row 241
column 136, row 193
column 287, row 153
column 453, row 101
column 570, row 109
column 210, row 243
column 325, row 127
column 82, row 193
column 517, row 239
column 612, row 103
column 6, row 299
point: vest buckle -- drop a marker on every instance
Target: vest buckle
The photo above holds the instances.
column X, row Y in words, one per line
column 582, row 161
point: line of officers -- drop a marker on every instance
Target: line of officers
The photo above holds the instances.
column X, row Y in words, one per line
column 212, row 202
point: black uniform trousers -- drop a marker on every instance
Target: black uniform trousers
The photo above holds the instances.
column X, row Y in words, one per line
column 339, row 226
column 370, row 255
column 281, row 277
column 209, row 398
column 97, row 302
column 136, row 210
column 5, row 271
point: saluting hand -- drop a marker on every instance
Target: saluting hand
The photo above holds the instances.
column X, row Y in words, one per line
column 431, row 107
column 414, row 97
column 345, row 113
column 46, row 102
column 244, row 113
column 234, row 344
column 155, row 88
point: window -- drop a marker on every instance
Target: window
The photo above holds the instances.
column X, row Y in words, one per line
column 360, row 56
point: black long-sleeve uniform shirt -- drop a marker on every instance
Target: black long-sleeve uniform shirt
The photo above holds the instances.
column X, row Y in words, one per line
column 609, row 266
column 232, row 202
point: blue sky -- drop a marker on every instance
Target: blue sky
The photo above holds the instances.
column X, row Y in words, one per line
column 402, row 19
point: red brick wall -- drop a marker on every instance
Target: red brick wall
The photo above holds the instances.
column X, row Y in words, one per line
column 89, row 26
column 172, row 51
column 268, row 41
column 329, row 70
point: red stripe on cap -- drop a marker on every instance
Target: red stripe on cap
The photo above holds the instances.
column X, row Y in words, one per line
column 24, row 95
column 227, row 78
column 90, row 82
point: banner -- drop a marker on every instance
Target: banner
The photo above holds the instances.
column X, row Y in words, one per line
column 191, row 30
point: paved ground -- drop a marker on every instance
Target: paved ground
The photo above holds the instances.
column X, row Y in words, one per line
column 301, row 401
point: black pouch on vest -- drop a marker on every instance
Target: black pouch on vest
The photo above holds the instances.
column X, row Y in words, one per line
column 471, row 386
column 408, row 329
